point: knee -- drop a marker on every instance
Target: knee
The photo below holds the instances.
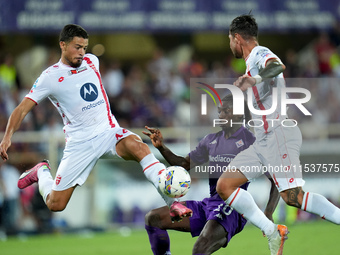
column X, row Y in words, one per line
column 223, row 189
column 55, row 206
column 152, row 218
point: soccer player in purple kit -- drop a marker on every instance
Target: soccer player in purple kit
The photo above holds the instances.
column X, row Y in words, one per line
column 74, row 87
column 275, row 145
column 213, row 220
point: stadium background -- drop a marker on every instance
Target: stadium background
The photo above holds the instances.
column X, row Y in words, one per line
column 149, row 50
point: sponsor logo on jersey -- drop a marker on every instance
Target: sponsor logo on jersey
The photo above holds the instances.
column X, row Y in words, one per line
column 239, row 143
column 89, row 92
column 92, row 105
column 226, row 158
column 61, row 79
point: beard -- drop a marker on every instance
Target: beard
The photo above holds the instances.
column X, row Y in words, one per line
column 237, row 54
column 75, row 63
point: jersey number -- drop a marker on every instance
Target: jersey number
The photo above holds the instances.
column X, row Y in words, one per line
column 223, row 208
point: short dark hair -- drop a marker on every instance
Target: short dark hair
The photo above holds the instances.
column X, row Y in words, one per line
column 245, row 25
column 71, row 30
column 228, row 102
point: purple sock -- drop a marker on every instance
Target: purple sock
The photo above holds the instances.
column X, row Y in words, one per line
column 159, row 240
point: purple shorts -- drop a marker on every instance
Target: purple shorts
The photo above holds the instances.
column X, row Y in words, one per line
column 214, row 208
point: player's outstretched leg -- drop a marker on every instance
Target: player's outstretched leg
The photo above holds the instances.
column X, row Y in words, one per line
column 133, row 148
column 30, row 176
column 242, row 201
column 312, row 203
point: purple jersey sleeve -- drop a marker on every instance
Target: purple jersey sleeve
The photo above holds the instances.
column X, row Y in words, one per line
column 200, row 154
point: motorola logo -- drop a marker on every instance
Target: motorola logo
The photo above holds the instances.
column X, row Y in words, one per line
column 89, row 92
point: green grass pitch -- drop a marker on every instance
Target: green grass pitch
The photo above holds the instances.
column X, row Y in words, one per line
column 305, row 238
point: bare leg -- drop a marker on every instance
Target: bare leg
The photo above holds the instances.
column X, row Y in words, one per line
column 57, row 200
column 212, row 238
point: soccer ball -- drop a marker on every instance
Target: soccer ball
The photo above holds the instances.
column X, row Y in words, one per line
column 174, row 181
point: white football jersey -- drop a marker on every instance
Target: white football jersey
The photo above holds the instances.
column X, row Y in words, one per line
column 79, row 96
column 262, row 96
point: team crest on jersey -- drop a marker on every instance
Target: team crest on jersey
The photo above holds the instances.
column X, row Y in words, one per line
column 239, row 143
column 89, row 92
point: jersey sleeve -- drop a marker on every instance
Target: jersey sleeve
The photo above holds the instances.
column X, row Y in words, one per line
column 262, row 56
column 200, row 154
column 94, row 59
column 40, row 89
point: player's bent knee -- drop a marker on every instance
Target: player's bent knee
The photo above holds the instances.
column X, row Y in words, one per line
column 158, row 218
column 55, row 207
column 152, row 218
column 222, row 189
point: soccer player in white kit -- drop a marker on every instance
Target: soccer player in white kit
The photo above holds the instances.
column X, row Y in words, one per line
column 275, row 145
column 75, row 88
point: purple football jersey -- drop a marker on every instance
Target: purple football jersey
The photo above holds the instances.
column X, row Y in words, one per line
column 219, row 152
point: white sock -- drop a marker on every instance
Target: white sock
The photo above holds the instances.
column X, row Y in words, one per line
column 244, row 204
column 45, row 182
column 151, row 168
column 317, row 204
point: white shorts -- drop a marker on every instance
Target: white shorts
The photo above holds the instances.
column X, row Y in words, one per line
column 80, row 158
column 278, row 154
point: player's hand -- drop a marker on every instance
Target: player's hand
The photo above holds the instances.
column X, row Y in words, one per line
column 4, row 145
column 155, row 136
column 244, row 82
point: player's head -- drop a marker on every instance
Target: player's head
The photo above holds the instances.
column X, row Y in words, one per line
column 225, row 111
column 73, row 41
column 242, row 28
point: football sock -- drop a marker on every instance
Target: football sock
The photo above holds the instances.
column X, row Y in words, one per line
column 317, row 204
column 159, row 240
column 244, row 204
column 152, row 168
column 45, row 182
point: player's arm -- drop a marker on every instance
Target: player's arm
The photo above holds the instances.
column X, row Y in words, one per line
column 273, row 200
column 13, row 124
column 156, row 138
column 272, row 69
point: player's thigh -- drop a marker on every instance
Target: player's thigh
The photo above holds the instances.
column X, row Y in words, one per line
column 132, row 147
column 77, row 162
column 212, row 237
column 160, row 218
column 248, row 162
column 282, row 158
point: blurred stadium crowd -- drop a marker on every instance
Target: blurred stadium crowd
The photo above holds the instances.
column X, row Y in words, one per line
column 155, row 93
